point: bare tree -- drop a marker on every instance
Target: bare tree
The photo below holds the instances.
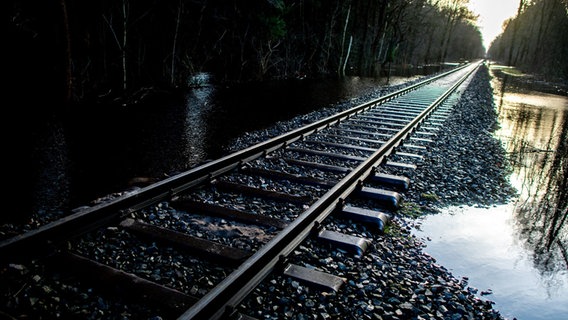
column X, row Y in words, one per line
column 121, row 43
column 343, row 60
column 515, row 27
column 456, row 11
column 174, row 56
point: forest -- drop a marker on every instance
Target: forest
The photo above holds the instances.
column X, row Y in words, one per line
column 71, row 51
column 536, row 39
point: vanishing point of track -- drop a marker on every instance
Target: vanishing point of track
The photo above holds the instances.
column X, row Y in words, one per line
column 344, row 152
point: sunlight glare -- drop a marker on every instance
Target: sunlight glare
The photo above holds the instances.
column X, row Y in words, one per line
column 492, row 14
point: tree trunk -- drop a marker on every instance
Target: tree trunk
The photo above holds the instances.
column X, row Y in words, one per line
column 515, row 27
column 347, row 56
column 381, row 27
column 173, row 66
column 342, row 62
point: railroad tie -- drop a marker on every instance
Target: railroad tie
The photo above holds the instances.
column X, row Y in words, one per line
column 314, row 278
column 409, row 155
column 319, row 166
column 376, row 218
column 390, row 199
column 356, row 245
column 261, row 193
column 341, row 145
column 195, row 245
column 328, row 154
column 126, row 284
column 401, row 165
column 413, row 146
column 296, row 178
column 423, row 140
column 229, row 214
column 398, row 182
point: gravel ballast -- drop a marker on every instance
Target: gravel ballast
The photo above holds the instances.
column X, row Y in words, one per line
column 394, row 279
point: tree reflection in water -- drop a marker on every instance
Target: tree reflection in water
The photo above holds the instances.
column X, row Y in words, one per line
column 535, row 134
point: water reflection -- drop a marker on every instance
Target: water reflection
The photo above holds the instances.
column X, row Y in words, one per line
column 518, row 250
column 534, row 132
column 198, row 105
column 53, row 181
column 483, row 245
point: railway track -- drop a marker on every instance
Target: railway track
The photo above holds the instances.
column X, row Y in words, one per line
column 236, row 220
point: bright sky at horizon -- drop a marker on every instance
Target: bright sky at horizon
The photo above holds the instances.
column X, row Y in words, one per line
column 492, row 14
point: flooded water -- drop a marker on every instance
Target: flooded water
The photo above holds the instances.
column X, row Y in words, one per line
column 516, row 255
column 68, row 160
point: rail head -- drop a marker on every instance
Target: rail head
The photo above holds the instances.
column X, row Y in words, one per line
column 35, row 241
column 224, row 297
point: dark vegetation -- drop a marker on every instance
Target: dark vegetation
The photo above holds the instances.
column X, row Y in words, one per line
column 536, row 39
column 71, row 51
column 74, row 51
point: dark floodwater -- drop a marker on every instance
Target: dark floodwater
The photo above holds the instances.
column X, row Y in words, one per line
column 519, row 251
column 69, row 160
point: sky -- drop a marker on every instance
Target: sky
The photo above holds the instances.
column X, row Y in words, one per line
column 492, row 15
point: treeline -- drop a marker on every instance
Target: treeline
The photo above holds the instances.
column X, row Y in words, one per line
column 84, row 50
column 536, row 40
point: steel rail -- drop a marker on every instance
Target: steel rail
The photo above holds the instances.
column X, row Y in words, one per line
column 221, row 301
column 40, row 240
